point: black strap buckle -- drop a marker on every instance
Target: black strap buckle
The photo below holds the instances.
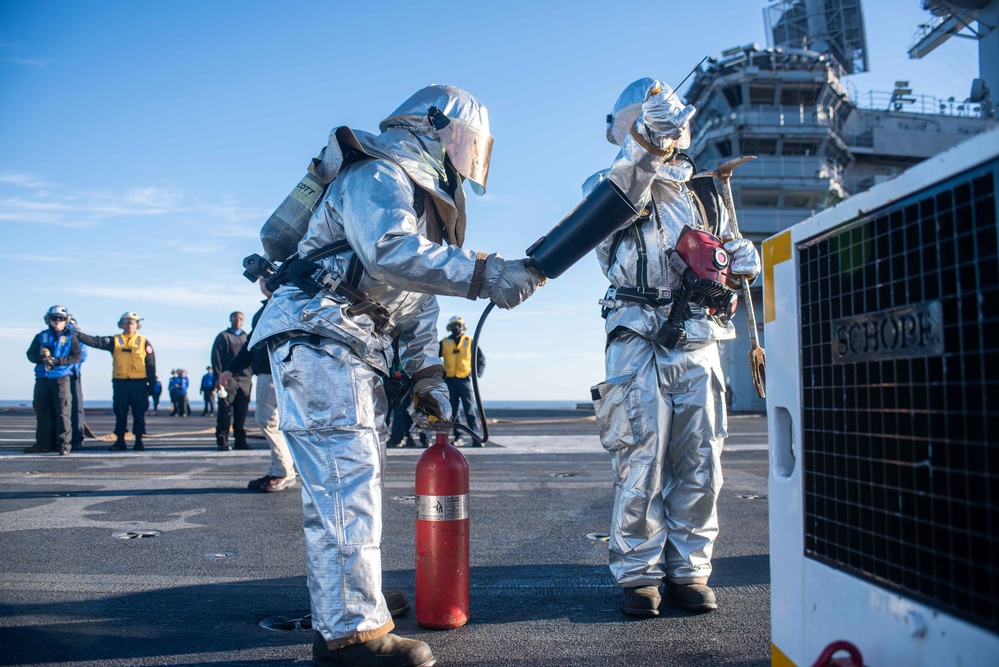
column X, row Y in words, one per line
column 652, row 297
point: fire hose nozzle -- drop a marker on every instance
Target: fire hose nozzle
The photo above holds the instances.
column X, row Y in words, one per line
column 598, row 216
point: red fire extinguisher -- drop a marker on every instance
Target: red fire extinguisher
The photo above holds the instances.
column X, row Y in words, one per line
column 442, row 577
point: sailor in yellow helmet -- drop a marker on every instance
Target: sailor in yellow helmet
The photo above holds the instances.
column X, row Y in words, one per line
column 133, row 376
column 456, row 351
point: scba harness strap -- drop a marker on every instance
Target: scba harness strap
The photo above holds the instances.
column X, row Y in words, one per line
column 308, row 275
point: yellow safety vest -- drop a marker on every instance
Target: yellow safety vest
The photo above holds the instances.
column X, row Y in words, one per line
column 129, row 356
column 457, row 357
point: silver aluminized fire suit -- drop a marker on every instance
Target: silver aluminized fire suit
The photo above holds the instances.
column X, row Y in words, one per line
column 661, row 412
column 401, row 208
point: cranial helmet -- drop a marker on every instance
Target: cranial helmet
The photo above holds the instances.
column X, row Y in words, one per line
column 461, row 122
column 57, row 311
column 456, row 325
column 128, row 315
column 629, row 106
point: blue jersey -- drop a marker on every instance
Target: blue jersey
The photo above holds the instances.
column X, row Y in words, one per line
column 57, row 347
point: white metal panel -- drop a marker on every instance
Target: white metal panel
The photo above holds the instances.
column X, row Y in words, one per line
column 813, row 604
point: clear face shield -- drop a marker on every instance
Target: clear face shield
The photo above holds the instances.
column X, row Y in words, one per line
column 467, row 146
column 683, row 143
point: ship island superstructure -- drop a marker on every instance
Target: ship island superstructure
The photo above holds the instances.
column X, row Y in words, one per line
column 817, row 143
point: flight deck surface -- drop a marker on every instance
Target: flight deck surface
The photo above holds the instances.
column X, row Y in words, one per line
column 164, row 557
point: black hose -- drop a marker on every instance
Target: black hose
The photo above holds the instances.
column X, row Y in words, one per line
column 478, row 439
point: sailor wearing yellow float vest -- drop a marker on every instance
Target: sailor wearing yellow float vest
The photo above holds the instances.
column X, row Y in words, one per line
column 456, row 351
column 133, row 376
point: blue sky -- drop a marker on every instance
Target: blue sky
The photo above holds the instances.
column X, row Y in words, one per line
column 143, row 144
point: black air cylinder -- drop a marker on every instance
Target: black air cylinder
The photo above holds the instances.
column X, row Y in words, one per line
column 598, row 216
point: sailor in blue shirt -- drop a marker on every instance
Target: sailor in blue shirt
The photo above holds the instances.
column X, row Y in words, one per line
column 208, row 390
column 54, row 352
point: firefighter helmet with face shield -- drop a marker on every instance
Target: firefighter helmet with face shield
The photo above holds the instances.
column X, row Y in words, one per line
column 461, row 122
column 629, row 105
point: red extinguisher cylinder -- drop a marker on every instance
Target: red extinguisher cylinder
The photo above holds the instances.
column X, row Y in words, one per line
column 442, row 569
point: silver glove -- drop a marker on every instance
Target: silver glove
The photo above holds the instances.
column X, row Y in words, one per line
column 431, row 398
column 509, row 283
column 664, row 116
column 745, row 258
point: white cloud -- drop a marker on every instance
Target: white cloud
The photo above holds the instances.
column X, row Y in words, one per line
column 29, row 62
column 35, row 258
column 85, row 210
column 23, row 180
column 194, row 248
column 227, row 210
column 18, row 210
column 18, row 335
column 38, row 201
column 244, row 231
column 153, row 198
column 175, row 295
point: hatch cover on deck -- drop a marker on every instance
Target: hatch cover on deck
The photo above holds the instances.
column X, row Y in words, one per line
column 136, row 534
column 296, row 620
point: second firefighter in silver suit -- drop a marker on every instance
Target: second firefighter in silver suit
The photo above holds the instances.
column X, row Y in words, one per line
column 399, row 204
column 661, row 412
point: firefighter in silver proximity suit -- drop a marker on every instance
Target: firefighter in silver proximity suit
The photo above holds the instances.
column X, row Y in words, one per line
column 662, row 411
column 398, row 203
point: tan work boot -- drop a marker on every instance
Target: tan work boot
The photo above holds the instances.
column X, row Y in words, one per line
column 695, row 598
column 641, row 601
column 385, row 651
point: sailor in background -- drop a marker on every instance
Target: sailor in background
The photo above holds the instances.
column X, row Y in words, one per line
column 456, row 351
column 133, row 376
column 54, row 352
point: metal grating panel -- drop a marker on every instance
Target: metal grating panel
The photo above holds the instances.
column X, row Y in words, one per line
column 900, row 404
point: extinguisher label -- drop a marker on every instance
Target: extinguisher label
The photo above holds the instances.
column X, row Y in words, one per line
column 442, row 508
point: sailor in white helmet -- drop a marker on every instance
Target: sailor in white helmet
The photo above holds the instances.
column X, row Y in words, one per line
column 661, row 410
column 133, row 376
column 386, row 237
column 55, row 353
